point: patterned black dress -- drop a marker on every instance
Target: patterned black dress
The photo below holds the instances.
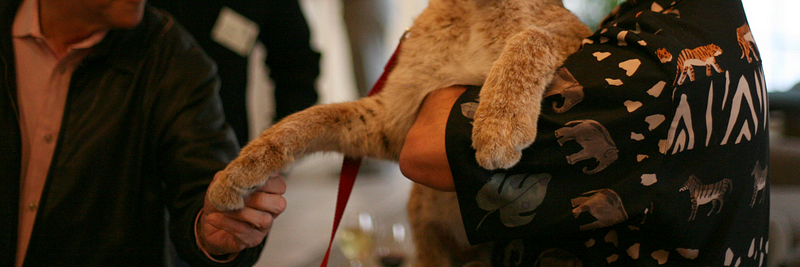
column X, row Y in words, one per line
column 652, row 149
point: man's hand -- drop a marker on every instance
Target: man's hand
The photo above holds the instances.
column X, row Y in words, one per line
column 221, row 233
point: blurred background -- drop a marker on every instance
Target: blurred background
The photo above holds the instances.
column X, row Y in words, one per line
column 356, row 38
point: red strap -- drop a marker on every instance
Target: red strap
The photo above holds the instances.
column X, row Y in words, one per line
column 346, row 180
column 350, row 165
column 387, row 69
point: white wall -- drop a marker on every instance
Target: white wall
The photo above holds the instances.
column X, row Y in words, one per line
column 774, row 24
column 328, row 36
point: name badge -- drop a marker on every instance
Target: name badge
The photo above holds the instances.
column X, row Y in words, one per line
column 235, row 32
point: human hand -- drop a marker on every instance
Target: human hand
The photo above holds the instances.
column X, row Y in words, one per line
column 228, row 232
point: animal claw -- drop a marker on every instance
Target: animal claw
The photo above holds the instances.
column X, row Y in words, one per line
column 498, row 157
column 224, row 196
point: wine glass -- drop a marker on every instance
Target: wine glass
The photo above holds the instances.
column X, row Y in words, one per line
column 356, row 237
column 393, row 247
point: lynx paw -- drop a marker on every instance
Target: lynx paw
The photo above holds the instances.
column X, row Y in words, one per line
column 493, row 155
column 243, row 176
column 224, row 195
column 499, row 141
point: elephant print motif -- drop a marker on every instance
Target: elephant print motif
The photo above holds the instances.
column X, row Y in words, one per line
column 747, row 43
column 564, row 84
column 760, row 181
column 703, row 194
column 604, row 204
column 595, row 140
column 704, row 56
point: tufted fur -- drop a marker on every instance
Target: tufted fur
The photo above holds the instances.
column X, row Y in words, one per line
column 511, row 47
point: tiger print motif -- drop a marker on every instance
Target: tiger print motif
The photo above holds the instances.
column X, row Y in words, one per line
column 663, row 55
column 747, row 43
column 703, row 194
column 689, row 58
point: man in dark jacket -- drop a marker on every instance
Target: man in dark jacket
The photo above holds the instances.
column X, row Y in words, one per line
column 109, row 116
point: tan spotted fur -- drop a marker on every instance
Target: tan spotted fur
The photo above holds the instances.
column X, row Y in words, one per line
column 511, row 47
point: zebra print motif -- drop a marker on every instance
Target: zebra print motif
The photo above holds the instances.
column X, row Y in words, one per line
column 703, row 194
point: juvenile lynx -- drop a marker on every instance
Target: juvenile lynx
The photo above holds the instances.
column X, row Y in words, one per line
column 511, row 47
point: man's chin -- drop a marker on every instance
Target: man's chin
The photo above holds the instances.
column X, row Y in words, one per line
column 130, row 17
column 129, row 22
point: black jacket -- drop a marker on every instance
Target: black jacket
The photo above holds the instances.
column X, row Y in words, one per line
column 142, row 132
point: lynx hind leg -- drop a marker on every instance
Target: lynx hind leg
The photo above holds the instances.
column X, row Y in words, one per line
column 431, row 241
column 510, row 101
column 437, row 230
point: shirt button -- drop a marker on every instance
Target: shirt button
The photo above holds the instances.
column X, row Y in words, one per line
column 48, row 138
column 32, row 206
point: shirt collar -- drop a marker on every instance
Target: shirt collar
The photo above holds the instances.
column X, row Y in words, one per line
column 26, row 24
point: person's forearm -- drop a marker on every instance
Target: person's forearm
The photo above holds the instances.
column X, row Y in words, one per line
column 423, row 158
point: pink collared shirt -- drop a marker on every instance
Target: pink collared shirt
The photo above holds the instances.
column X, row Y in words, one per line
column 42, row 83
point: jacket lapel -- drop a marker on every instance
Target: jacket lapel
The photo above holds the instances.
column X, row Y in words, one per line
column 10, row 140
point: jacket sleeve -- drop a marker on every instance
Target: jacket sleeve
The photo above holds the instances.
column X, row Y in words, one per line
column 195, row 142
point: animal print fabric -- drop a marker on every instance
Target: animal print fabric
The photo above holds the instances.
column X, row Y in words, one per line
column 652, row 149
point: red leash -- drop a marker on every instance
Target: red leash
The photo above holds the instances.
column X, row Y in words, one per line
column 350, row 165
